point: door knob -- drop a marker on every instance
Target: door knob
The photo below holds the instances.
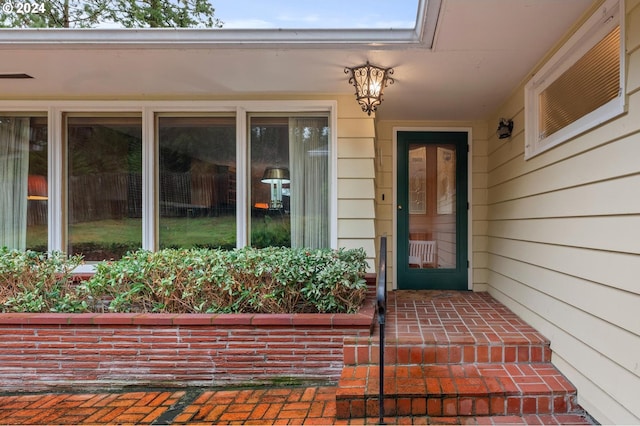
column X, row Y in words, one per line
column 399, row 207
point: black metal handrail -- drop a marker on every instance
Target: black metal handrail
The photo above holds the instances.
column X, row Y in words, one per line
column 381, row 311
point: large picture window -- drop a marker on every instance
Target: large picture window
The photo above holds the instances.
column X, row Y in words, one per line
column 116, row 176
column 197, row 157
column 290, row 181
column 23, row 182
column 104, row 185
column 581, row 86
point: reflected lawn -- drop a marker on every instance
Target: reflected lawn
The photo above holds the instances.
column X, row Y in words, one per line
column 112, row 238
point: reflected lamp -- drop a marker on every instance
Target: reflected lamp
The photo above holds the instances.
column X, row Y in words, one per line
column 276, row 177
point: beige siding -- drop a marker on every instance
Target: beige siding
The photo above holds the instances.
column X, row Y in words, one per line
column 356, row 190
column 385, row 191
column 563, row 239
column 356, row 228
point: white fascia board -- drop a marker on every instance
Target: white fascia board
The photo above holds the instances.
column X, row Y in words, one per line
column 203, row 38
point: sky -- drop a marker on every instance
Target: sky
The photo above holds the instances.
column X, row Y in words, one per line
column 316, row 14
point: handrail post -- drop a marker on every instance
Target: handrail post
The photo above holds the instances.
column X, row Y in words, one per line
column 382, row 310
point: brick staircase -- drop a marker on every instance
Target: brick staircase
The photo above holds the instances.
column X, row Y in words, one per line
column 456, row 357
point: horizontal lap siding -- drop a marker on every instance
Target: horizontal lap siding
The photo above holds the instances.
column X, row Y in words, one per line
column 356, row 175
column 563, row 240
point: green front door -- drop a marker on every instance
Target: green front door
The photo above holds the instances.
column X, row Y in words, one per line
column 432, row 210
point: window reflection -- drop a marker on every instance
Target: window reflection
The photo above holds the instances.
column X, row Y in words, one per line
column 197, row 182
column 290, row 182
column 104, row 186
column 23, row 182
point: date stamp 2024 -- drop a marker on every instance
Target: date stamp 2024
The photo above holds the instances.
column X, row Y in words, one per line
column 22, row 7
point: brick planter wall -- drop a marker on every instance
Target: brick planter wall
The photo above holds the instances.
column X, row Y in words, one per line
column 45, row 351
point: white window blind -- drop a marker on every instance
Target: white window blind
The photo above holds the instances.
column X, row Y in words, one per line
column 588, row 84
column 582, row 84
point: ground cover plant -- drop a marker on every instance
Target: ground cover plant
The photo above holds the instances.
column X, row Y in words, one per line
column 268, row 280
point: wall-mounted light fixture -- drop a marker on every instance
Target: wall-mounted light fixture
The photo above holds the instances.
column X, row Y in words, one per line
column 369, row 81
column 505, row 127
column 276, row 177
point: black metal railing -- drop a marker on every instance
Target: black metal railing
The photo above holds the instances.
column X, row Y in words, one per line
column 381, row 311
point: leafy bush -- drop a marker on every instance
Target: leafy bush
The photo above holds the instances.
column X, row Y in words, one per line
column 36, row 282
column 272, row 232
column 269, row 280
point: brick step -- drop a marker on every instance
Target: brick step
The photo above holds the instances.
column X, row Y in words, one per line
column 527, row 419
column 367, row 351
column 456, row 390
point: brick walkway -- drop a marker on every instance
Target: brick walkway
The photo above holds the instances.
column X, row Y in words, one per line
column 261, row 406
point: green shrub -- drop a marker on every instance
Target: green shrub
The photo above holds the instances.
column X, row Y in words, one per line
column 37, row 282
column 169, row 280
column 269, row 280
column 198, row 280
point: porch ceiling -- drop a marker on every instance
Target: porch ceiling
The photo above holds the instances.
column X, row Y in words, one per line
column 482, row 50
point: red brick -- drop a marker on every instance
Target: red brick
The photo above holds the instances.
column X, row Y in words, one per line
column 510, row 354
column 560, row 404
column 429, row 355
column 536, row 354
column 455, row 354
column 357, row 409
column 442, row 354
column 434, row 407
column 481, row 406
column 529, row 405
column 469, row 353
column 349, row 355
column 418, row 406
column 232, row 319
column 497, row 405
column 523, row 354
column 415, row 355
column 114, row 319
column 448, row 387
column 402, row 356
column 514, row 405
column 449, row 406
column 343, row 409
column 403, row 407
column 497, row 354
column 482, row 353
column 465, row 407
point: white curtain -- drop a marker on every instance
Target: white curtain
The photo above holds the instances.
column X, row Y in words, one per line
column 14, row 175
column 309, row 172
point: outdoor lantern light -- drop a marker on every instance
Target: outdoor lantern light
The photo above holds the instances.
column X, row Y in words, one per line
column 505, row 127
column 369, row 81
column 275, row 177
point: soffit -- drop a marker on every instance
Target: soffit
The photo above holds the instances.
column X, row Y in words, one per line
column 483, row 49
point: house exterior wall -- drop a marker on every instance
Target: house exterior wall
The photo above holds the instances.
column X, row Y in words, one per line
column 384, row 187
column 563, row 244
column 356, row 177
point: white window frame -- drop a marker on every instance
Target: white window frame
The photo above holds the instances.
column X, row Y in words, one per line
column 148, row 110
column 605, row 19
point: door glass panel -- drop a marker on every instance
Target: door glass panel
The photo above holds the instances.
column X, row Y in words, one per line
column 432, row 206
